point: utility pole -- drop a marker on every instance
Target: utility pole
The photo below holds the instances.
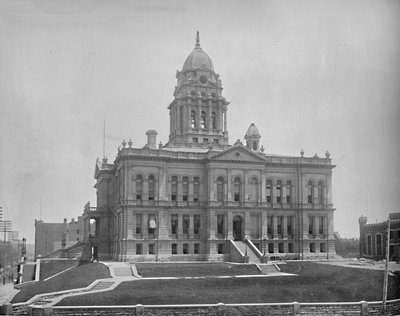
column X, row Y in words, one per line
column 385, row 278
column 5, row 227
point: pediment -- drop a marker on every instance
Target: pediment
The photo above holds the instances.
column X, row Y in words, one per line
column 238, row 153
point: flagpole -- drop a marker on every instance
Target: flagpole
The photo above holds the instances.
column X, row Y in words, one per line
column 385, row 278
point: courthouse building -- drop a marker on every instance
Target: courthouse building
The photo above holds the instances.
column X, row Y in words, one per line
column 198, row 197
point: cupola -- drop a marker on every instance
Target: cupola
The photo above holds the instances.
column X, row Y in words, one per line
column 252, row 138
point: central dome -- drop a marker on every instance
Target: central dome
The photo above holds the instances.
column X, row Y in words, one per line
column 198, row 58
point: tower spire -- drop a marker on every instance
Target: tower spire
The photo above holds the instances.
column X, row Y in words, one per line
column 197, row 40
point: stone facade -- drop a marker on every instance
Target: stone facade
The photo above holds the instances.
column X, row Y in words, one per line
column 373, row 238
column 190, row 198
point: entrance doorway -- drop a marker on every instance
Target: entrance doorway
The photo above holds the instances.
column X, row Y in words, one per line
column 237, row 228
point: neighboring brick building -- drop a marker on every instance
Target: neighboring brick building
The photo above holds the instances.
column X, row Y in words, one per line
column 197, row 197
column 53, row 236
column 373, row 238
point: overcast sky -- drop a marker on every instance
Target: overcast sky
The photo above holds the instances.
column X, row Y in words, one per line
column 313, row 75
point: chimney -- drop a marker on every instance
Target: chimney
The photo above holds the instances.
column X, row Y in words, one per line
column 65, row 220
column 151, row 139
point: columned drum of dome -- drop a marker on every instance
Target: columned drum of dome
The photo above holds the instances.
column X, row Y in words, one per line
column 198, row 113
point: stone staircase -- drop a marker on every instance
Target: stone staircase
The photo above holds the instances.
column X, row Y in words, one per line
column 241, row 245
column 119, row 271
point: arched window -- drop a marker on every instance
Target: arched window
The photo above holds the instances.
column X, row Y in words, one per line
column 279, row 191
column 193, row 119
column 310, row 194
column 236, row 189
column 151, row 188
column 185, row 188
column 220, row 189
column 268, row 191
column 139, row 187
column 203, row 119
column 174, row 188
column 288, row 192
column 253, row 194
column 320, row 193
column 214, row 120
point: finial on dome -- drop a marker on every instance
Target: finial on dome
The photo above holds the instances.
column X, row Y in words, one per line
column 197, row 40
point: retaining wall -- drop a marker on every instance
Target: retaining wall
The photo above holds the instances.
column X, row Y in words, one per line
column 295, row 309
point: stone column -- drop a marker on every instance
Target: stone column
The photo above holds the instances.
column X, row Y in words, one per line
column 129, row 222
column 230, row 224
column 179, row 195
column 144, row 226
column 191, row 226
column 275, row 226
column 208, row 124
column 284, row 228
column 229, row 185
column 198, row 117
column 190, row 197
column 247, row 224
column 180, row 222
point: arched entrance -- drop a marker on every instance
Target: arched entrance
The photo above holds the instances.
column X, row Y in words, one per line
column 238, row 228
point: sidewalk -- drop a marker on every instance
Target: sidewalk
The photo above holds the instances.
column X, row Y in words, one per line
column 7, row 292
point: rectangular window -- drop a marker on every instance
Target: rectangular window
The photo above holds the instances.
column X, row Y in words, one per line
column 196, row 189
column 269, row 191
column 312, row 247
column 151, row 225
column 185, row 224
column 322, row 247
column 278, row 191
column 139, row 249
column 391, row 235
column 216, row 141
column 289, row 225
column 280, row 220
column 220, row 224
column 311, row 225
column 151, row 249
column 185, row 188
column 378, row 244
column 174, row 188
column 270, row 248
column 291, row 248
column 77, row 231
column 185, row 249
column 174, row 249
column 281, row 247
column 221, row 249
column 269, row 227
column 196, row 224
column 174, row 224
column 255, row 226
column 195, row 140
column 321, row 225
column 139, row 224
column 196, row 248
column 205, row 140
column 369, row 245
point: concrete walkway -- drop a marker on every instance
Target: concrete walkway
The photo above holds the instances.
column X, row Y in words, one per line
column 7, row 292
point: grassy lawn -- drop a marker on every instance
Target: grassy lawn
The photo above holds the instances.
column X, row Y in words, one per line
column 78, row 277
column 314, row 283
column 50, row 268
column 194, row 269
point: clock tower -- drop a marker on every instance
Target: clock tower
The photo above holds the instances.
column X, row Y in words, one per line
column 198, row 113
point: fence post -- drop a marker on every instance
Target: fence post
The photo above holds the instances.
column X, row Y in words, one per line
column 47, row 311
column 139, row 310
column 220, row 309
column 364, row 308
column 296, row 309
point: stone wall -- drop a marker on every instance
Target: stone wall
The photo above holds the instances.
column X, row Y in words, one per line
column 295, row 309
